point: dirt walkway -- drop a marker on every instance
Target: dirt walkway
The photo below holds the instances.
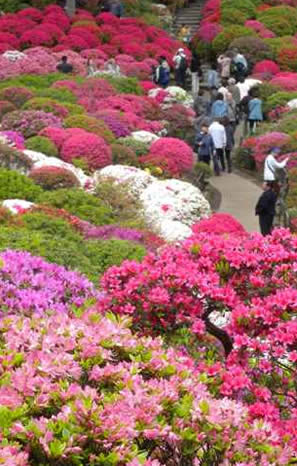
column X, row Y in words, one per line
column 239, row 197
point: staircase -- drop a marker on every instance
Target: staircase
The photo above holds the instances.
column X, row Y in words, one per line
column 189, row 16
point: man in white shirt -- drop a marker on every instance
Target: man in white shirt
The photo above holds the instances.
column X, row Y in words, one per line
column 271, row 165
column 218, row 134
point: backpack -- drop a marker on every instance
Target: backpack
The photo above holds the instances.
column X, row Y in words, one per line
column 183, row 65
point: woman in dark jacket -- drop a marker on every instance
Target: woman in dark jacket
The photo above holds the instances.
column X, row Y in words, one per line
column 265, row 208
column 204, row 145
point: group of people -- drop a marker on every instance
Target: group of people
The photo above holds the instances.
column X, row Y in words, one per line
column 110, row 67
column 116, row 7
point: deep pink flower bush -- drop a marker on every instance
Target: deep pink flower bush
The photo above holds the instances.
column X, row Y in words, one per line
column 259, row 27
column 266, row 67
column 285, row 80
column 8, row 38
column 119, row 128
column 209, row 31
column 172, row 154
column 220, row 223
column 83, row 396
column 35, row 38
column 29, row 285
column 252, row 282
column 57, row 135
column 32, row 13
column 88, row 147
column 261, row 145
column 14, row 138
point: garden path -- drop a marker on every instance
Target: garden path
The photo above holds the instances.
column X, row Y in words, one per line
column 189, row 16
column 239, row 197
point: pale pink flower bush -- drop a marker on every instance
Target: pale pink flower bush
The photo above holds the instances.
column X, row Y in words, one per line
column 83, row 389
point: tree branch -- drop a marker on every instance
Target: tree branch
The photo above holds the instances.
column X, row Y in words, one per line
column 217, row 332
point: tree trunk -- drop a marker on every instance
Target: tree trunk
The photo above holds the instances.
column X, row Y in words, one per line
column 70, row 7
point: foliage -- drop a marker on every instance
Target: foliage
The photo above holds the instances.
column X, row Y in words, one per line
column 50, row 178
column 46, row 105
column 279, row 99
column 282, row 20
column 125, row 85
column 228, row 35
column 254, row 48
column 42, row 144
column 139, row 147
column 16, row 95
column 14, row 185
column 79, row 203
column 122, row 155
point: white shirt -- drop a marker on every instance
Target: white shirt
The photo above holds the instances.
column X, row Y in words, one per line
column 270, row 167
column 223, row 90
column 218, row 134
column 177, row 58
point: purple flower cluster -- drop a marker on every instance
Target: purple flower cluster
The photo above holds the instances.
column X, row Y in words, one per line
column 17, row 139
column 119, row 129
column 29, row 285
column 110, row 231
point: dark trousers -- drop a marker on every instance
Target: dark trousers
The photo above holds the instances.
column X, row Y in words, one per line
column 216, row 165
column 252, row 125
column 204, row 158
column 220, row 155
column 266, row 221
column 180, row 78
column 228, row 158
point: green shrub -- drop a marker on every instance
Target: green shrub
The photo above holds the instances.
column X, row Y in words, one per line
column 16, row 95
column 288, row 123
column 244, row 159
column 233, row 16
column 223, row 40
column 42, row 144
column 282, row 20
column 92, row 125
column 123, row 155
column 34, row 81
column 279, row 99
column 127, row 211
column 278, row 43
column 11, row 6
column 51, row 178
column 12, row 159
column 125, row 85
column 254, row 48
column 49, row 225
column 14, row 185
column 61, row 95
column 247, row 7
column 266, row 90
column 140, row 148
column 73, row 109
column 6, row 107
column 46, row 105
column 79, row 203
column 90, row 257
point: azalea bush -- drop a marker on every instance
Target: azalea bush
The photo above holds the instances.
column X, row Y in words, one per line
column 29, row 122
column 162, row 423
column 42, row 144
column 50, row 178
column 241, row 291
column 172, row 154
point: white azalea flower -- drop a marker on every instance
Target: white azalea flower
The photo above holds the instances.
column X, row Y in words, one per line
column 144, row 136
column 15, row 205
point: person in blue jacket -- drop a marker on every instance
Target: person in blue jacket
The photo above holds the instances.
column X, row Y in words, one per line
column 219, row 108
column 162, row 76
column 255, row 113
column 204, row 145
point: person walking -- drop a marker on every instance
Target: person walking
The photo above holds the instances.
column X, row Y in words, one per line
column 195, row 68
column 231, row 111
column 229, row 142
column 181, row 66
column 183, row 33
column 265, row 208
column 219, row 108
column 162, row 76
column 235, row 92
column 218, row 134
column 255, row 114
column 213, row 81
column 225, row 64
column 204, row 145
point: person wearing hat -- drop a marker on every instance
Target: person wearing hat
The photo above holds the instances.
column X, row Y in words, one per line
column 271, row 165
column 180, row 65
